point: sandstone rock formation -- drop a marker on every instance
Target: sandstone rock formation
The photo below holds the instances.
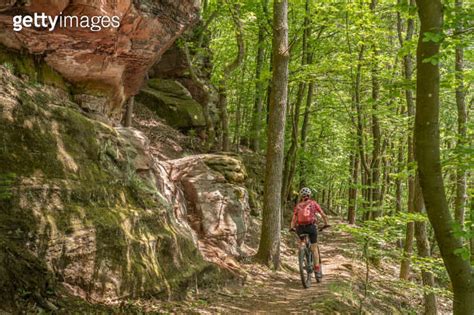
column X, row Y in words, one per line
column 110, row 63
column 88, row 209
column 81, row 206
column 172, row 102
column 217, row 204
column 174, row 66
column 208, row 190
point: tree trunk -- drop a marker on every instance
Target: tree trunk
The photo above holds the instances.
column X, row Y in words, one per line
column 269, row 90
column 358, row 106
column 365, row 171
column 127, row 121
column 408, row 70
column 398, row 181
column 224, row 117
column 377, row 140
column 246, row 120
column 330, row 196
column 257, row 110
column 305, row 128
column 407, row 251
column 290, row 160
column 461, row 196
column 427, row 153
column 238, row 122
column 238, row 111
column 228, row 69
column 365, row 181
column 376, row 134
column 269, row 247
column 210, row 131
column 385, row 173
column 423, row 247
column 352, row 209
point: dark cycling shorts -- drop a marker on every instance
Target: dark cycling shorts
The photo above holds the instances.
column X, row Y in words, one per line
column 309, row 229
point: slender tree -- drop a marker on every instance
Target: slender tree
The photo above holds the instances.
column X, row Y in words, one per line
column 354, row 160
column 352, row 209
column 290, row 158
column 376, row 131
column 460, row 201
column 127, row 119
column 269, row 247
column 210, row 131
column 424, row 250
column 407, row 71
column 259, row 85
column 239, row 110
column 398, row 180
column 365, row 171
column 305, row 127
column 427, row 154
column 228, row 69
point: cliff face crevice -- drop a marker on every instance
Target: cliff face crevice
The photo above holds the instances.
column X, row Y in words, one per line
column 110, row 64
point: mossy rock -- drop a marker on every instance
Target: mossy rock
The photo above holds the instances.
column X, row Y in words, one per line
column 172, row 102
column 32, row 66
column 231, row 167
column 39, row 72
column 170, row 87
column 74, row 209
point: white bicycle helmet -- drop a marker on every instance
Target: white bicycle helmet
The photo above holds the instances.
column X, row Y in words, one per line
column 305, row 192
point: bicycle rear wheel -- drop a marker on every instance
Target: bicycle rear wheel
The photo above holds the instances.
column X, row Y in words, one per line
column 306, row 266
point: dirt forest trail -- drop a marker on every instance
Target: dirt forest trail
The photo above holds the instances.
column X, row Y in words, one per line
column 342, row 290
column 281, row 292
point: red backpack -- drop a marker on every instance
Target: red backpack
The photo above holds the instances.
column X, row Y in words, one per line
column 304, row 215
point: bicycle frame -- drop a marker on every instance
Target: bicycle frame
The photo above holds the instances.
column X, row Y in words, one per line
column 306, row 243
column 306, row 259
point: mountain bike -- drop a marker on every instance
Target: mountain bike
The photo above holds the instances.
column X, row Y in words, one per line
column 305, row 260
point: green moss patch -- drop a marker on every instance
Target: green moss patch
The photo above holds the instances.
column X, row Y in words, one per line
column 32, row 66
column 172, row 102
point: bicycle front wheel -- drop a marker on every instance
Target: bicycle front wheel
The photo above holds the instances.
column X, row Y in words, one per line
column 305, row 264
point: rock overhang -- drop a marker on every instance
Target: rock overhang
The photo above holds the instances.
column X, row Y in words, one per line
column 109, row 64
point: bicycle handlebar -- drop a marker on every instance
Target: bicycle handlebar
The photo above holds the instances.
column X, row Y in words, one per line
column 323, row 228
column 319, row 229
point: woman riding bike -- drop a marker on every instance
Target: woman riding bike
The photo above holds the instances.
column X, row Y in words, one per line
column 304, row 222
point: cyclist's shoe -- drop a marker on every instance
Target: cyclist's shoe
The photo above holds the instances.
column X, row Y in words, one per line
column 317, row 271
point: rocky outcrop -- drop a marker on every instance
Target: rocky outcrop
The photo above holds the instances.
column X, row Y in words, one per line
column 109, row 64
column 255, row 165
column 84, row 206
column 172, row 102
column 93, row 211
column 213, row 188
column 174, row 66
column 217, row 204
